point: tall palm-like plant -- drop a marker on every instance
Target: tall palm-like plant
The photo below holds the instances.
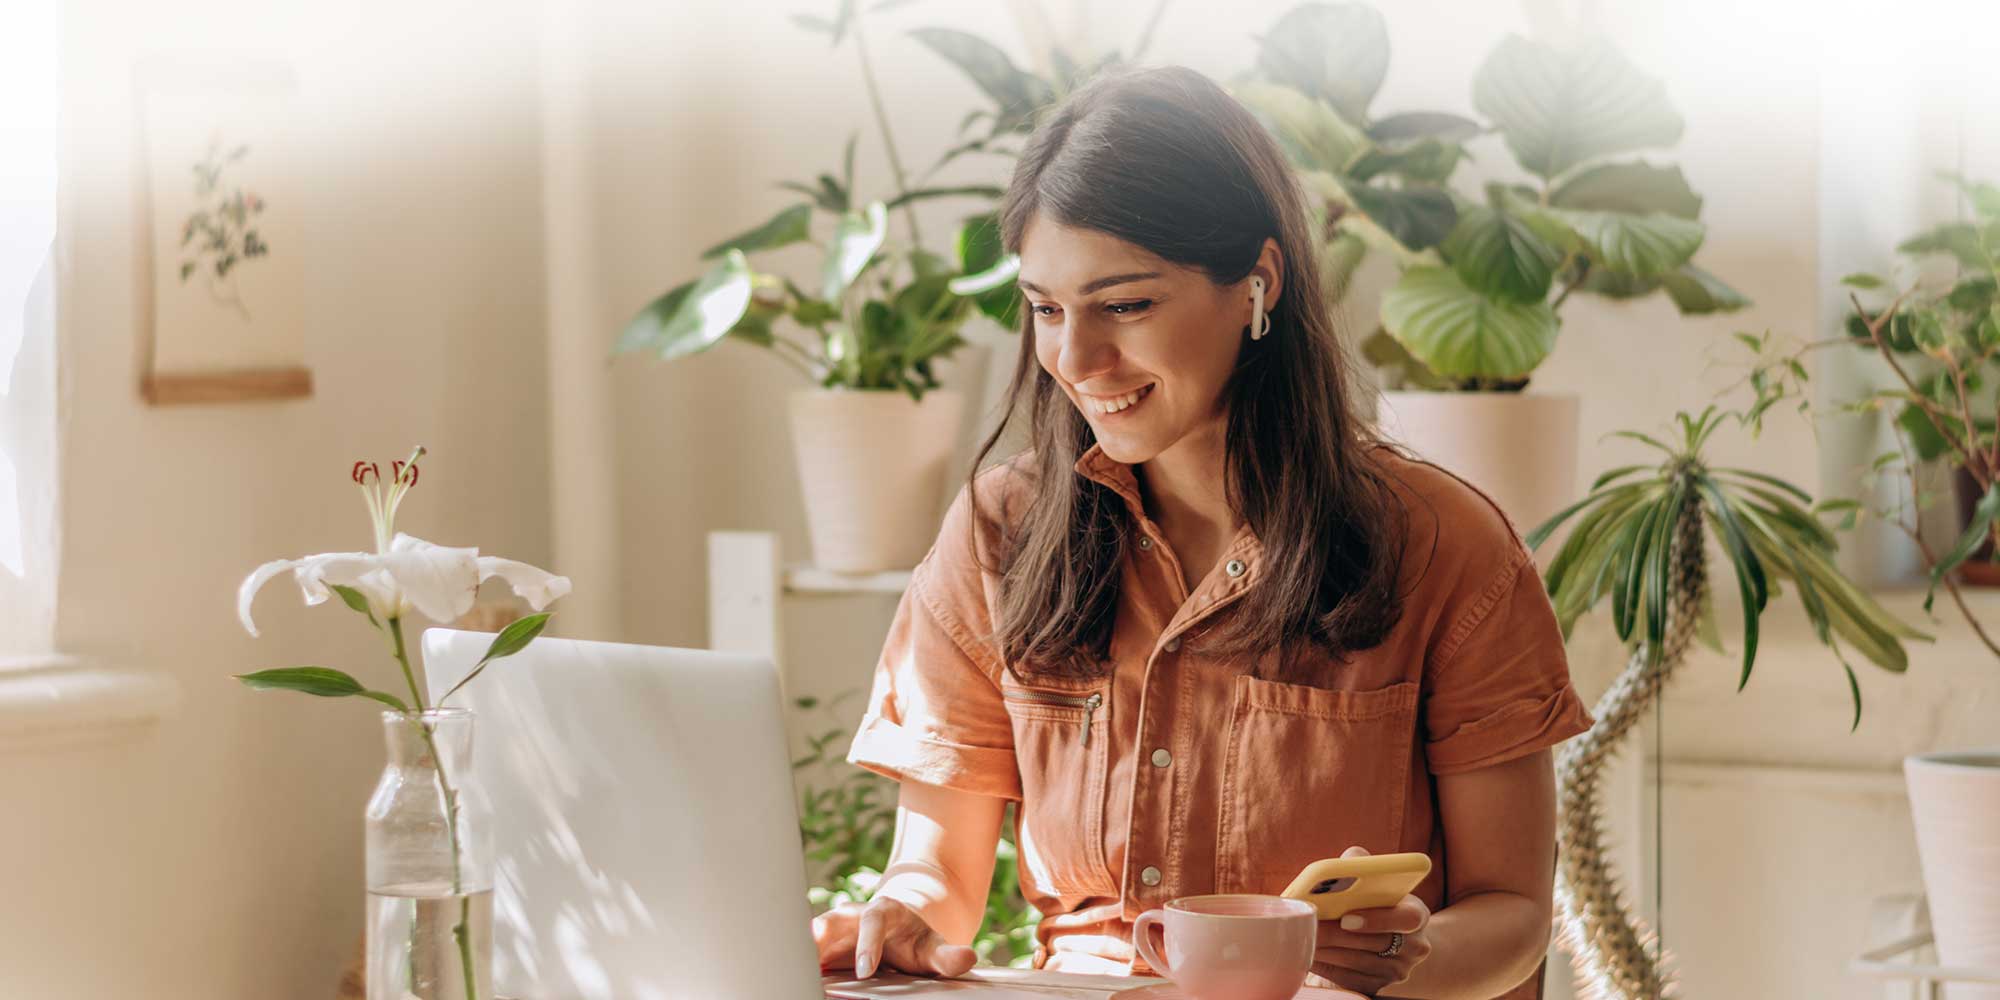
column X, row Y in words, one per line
column 1640, row 538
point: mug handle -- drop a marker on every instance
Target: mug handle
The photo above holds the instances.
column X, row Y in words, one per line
column 1142, row 939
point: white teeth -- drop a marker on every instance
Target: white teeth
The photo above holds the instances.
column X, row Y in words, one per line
column 1114, row 404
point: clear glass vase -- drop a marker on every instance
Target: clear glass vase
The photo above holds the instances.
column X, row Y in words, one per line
column 430, row 871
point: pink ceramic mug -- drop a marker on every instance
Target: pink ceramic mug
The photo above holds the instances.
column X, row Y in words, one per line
column 1237, row 947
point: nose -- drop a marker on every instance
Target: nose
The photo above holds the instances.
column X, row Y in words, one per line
column 1084, row 351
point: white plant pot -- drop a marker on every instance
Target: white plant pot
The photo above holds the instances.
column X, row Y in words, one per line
column 872, row 465
column 1520, row 448
column 1955, row 802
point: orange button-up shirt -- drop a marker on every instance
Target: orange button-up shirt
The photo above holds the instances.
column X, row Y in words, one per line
column 1180, row 774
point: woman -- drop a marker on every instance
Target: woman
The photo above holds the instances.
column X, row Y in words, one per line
column 1207, row 629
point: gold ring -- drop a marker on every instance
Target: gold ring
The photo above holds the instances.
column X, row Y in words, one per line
column 1395, row 945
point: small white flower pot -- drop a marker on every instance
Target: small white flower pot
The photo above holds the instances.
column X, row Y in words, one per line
column 873, row 465
column 1955, row 802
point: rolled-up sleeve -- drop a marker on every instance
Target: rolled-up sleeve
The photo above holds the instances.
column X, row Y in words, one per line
column 935, row 713
column 1501, row 688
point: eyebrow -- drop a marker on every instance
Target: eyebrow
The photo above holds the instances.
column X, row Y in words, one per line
column 1105, row 282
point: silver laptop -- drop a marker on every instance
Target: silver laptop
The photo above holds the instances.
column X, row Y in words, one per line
column 645, row 838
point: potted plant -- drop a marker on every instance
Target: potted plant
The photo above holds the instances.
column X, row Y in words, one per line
column 1640, row 538
column 1482, row 281
column 1935, row 323
column 847, row 820
column 874, row 433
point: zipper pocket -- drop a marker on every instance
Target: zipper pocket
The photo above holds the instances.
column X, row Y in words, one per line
column 1087, row 703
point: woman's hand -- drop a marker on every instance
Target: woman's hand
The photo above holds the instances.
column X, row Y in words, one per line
column 885, row 931
column 1350, row 949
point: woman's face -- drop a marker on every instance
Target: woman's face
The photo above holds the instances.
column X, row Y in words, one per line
column 1143, row 347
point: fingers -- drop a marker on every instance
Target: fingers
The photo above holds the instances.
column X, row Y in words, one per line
column 1406, row 917
column 833, row 934
column 1357, row 851
column 1375, row 926
column 914, row 947
column 942, row 957
column 868, row 941
column 1415, row 947
column 886, row 934
column 1331, row 936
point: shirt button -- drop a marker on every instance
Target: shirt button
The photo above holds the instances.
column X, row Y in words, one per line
column 1161, row 758
column 1150, row 875
column 1172, row 644
column 1234, row 567
column 1145, row 542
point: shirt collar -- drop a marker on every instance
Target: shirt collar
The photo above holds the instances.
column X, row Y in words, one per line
column 1098, row 467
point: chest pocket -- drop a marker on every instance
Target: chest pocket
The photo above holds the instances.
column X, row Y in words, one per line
column 1061, row 742
column 1307, row 773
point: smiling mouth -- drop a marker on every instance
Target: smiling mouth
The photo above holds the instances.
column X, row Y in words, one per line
column 1105, row 406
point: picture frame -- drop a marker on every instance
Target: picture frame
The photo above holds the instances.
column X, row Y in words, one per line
column 223, row 250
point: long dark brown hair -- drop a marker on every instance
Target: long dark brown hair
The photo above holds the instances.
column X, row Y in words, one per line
column 1166, row 160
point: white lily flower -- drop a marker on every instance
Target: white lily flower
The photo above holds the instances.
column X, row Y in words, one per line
column 404, row 573
column 437, row 580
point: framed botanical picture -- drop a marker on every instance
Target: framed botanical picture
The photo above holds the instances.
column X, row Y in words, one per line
column 227, row 254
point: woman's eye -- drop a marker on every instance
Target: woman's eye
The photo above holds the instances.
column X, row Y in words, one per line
column 1128, row 308
column 1038, row 310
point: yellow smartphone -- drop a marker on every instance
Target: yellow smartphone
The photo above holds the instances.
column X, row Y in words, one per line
column 1337, row 886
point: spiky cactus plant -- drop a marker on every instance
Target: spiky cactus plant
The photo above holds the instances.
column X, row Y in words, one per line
column 1641, row 538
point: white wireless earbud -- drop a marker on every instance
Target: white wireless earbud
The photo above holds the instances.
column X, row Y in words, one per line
column 1260, row 321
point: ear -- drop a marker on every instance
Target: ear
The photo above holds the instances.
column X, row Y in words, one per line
column 1270, row 266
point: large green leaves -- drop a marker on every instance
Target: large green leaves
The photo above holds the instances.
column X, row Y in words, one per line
column 1337, row 52
column 1642, row 245
column 693, row 317
column 1458, row 333
column 1561, row 107
column 1636, row 188
column 1499, row 255
column 1427, row 162
column 1310, row 132
column 855, row 240
column 1418, row 217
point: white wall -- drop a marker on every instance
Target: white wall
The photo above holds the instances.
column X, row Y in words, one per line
column 218, row 855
